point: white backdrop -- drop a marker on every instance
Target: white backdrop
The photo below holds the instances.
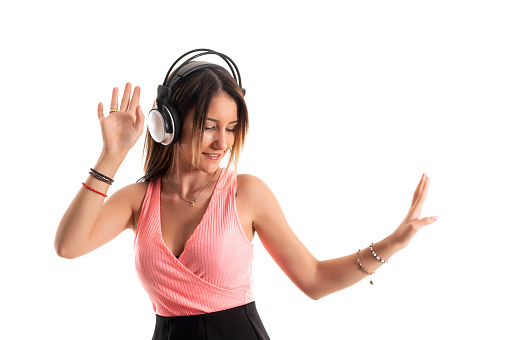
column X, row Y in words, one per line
column 350, row 102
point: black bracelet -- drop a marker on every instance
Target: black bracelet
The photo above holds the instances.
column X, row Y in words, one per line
column 104, row 176
column 100, row 178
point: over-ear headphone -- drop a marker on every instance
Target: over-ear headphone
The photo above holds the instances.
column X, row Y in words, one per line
column 164, row 122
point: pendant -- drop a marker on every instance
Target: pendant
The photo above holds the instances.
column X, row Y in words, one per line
column 192, row 203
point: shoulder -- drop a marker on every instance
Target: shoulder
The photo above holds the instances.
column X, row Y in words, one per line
column 260, row 202
column 132, row 194
column 249, row 184
column 131, row 198
column 253, row 198
column 133, row 190
column 253, row 189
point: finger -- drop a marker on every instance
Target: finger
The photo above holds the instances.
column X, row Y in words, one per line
column 416, row 210
column 126, row 97
column 139, row 121
column 135, row 99
column 423, row 222
column 418, row 190
column 114, row 99
column 100, row 111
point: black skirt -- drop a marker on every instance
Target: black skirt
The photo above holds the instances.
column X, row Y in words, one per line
column 238, row 323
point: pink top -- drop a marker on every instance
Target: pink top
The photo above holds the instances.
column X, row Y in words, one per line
column 213, row 272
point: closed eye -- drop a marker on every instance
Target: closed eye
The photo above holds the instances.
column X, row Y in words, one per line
column 212, row 128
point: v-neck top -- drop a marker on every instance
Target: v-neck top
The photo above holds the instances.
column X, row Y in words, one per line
column 214, row 271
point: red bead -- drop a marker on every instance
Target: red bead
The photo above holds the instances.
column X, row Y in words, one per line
column 98, row 192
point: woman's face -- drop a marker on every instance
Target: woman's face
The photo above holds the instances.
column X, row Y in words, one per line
column 219, row 133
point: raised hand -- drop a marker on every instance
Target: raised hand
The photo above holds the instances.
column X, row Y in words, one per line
column 412, row 223
column 123, row 126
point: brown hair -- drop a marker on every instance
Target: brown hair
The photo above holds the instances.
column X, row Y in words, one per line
column 194, row 92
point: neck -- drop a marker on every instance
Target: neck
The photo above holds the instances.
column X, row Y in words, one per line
column 189, row 182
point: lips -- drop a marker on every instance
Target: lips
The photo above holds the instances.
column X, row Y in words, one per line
column 213, row 156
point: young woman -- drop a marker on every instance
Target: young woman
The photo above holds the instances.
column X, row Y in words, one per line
column 194, row 221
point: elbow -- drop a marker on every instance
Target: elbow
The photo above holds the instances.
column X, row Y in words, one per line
column 63, row 251
column 315, row 297
column 313, row 289
column 313, row 294
column 65, row 255
column 65, row 246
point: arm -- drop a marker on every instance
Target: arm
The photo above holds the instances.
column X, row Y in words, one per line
column 320, row 278
column 88, row 223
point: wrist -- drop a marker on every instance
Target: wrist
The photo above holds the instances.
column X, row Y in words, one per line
column 112, row 156
column 109, row 162
column 394, row 243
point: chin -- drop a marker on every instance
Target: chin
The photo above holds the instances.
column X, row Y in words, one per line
column 209, row 167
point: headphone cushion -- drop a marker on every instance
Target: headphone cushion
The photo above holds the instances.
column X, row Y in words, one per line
column 168, row 112
column 156, row 125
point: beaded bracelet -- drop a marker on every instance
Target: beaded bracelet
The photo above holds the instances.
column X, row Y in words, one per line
column 100, row 178
column 363, row 269
column 102, row 175
column 376, row 256
column 98, row 192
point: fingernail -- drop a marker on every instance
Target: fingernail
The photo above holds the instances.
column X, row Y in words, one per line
column 434, row 218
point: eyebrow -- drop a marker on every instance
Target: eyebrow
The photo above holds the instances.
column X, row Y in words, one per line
column 217, row 121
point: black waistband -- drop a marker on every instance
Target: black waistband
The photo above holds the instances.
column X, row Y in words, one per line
column 241, row 322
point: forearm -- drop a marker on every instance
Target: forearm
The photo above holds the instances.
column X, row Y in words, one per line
column 336, row 274
column 77, row 222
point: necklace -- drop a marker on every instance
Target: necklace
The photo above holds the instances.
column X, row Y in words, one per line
column 192, row 202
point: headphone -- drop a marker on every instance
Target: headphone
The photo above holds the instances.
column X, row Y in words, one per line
column 164, row 121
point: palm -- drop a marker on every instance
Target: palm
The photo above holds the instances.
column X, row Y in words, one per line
column 412, row 223
column 121, row 129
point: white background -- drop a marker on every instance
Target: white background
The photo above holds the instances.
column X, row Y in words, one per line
column 350, row 102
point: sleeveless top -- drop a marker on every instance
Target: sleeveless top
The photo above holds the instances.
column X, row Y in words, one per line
column 214, row 271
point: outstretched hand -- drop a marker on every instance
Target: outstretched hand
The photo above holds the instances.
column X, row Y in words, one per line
column 124, row 125
column 412, row 223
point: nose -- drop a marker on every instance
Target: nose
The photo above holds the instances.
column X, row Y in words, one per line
column 220, row 140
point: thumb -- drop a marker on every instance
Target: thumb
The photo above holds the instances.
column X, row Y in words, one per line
column 424, row 221
column 139, row 121
column 100, row 111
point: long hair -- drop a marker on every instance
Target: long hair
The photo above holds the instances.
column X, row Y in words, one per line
column 194, row 92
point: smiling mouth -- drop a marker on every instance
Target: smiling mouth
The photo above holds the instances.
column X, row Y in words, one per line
column 212, row 155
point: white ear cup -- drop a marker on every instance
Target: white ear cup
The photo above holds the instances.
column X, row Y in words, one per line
column 156, row 127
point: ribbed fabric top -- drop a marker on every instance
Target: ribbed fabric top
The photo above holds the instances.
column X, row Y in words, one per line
column 214, row 271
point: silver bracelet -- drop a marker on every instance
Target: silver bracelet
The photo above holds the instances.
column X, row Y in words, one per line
column 363, row 269
column 100, row 178
column 376, row 256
